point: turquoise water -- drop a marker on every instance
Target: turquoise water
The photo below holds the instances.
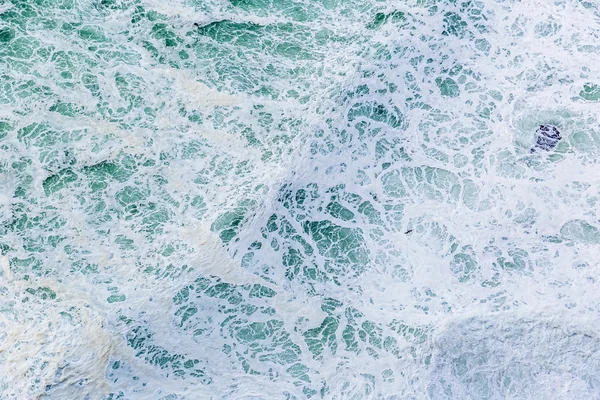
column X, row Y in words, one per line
column 274, row 199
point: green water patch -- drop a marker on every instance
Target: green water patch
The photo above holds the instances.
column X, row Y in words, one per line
column 454, row 25
column 337, row 210
column 376, row 112
column 40, row 135
column 140, row 339
column 286, row 40
column 22, row 48
column 517, row 261
column 132, row 89
column 391, row 150
column 297, row 255
column 229, row 223
column 381, row 18
column 585, row 141
column 341, row 246
column 162, row 32
column 5, row 129
column 471, row 197
column 392, row 184
column 581, row 231
column 289, row 52
column 254, row 338
column 59, row 181
column 42, row 232
column 93, row 34
column 15, row 90
column 321, row 250
column 347, row 328
column 100, row 175
column 590, row 92
column 7, row 34
column 296, row 11
column 432, row 183
column 464, row 265
column 448, row 87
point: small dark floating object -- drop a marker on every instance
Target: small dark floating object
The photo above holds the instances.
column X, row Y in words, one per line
column 546, row 138
column 408, row 231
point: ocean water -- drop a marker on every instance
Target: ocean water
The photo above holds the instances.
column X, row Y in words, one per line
column 281, row 199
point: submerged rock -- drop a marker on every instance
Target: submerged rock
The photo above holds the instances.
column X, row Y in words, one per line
column 547, row 137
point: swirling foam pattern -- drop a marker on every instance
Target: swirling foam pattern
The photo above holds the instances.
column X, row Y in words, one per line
column 293, row 199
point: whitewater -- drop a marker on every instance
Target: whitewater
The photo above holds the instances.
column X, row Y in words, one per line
column 299, row 199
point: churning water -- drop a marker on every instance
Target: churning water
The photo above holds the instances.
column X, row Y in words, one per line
column 281, row 199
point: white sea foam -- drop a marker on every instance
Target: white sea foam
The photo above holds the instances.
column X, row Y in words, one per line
column 199, row 253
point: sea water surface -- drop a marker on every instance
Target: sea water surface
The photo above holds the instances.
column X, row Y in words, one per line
column 281, row 199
